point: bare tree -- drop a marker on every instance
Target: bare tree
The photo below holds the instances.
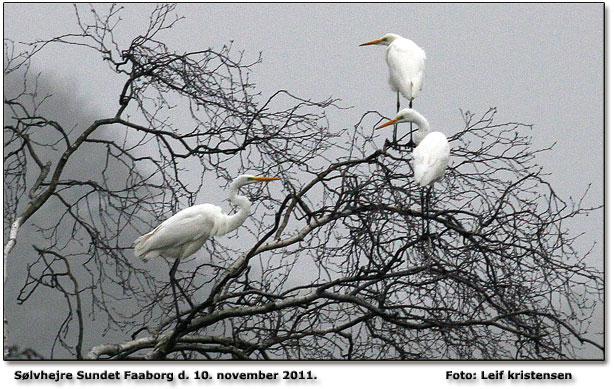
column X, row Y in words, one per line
column 338, row 267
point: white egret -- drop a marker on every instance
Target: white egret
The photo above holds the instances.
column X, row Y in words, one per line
column 406, row 62
column 186, row 232
column 432, row 153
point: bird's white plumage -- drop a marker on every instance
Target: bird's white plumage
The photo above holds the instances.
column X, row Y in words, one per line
column 432, row 154
column 406, row 62
column 431, row 158
column 182, row 234
column 186, row 232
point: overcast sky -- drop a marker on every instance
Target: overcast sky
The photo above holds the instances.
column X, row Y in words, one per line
column 539, row 64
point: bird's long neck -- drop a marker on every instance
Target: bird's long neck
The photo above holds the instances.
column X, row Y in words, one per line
column 235, row 220
column 423, row 127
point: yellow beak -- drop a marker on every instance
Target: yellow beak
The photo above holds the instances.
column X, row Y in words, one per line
column 265, row 178
column 372, row 42
column 388, row 123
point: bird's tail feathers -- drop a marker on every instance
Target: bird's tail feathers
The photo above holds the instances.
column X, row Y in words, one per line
column 140, row 249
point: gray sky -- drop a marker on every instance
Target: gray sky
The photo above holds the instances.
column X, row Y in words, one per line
column 540, row 64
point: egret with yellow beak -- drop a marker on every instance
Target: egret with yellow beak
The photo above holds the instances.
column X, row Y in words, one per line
column 186, row 232
column 406, row 61
column 431, row 155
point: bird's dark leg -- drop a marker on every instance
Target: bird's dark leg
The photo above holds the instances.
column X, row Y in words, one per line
column 428, row 197
column 422, row 208
column 171, row 275
column 174, row 284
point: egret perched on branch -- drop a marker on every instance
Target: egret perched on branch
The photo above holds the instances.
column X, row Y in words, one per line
column 187, row 231
column 431, row 155
column 406, row 61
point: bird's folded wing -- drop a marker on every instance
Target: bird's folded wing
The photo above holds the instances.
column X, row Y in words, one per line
column 180, row 229
column 405, row 66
